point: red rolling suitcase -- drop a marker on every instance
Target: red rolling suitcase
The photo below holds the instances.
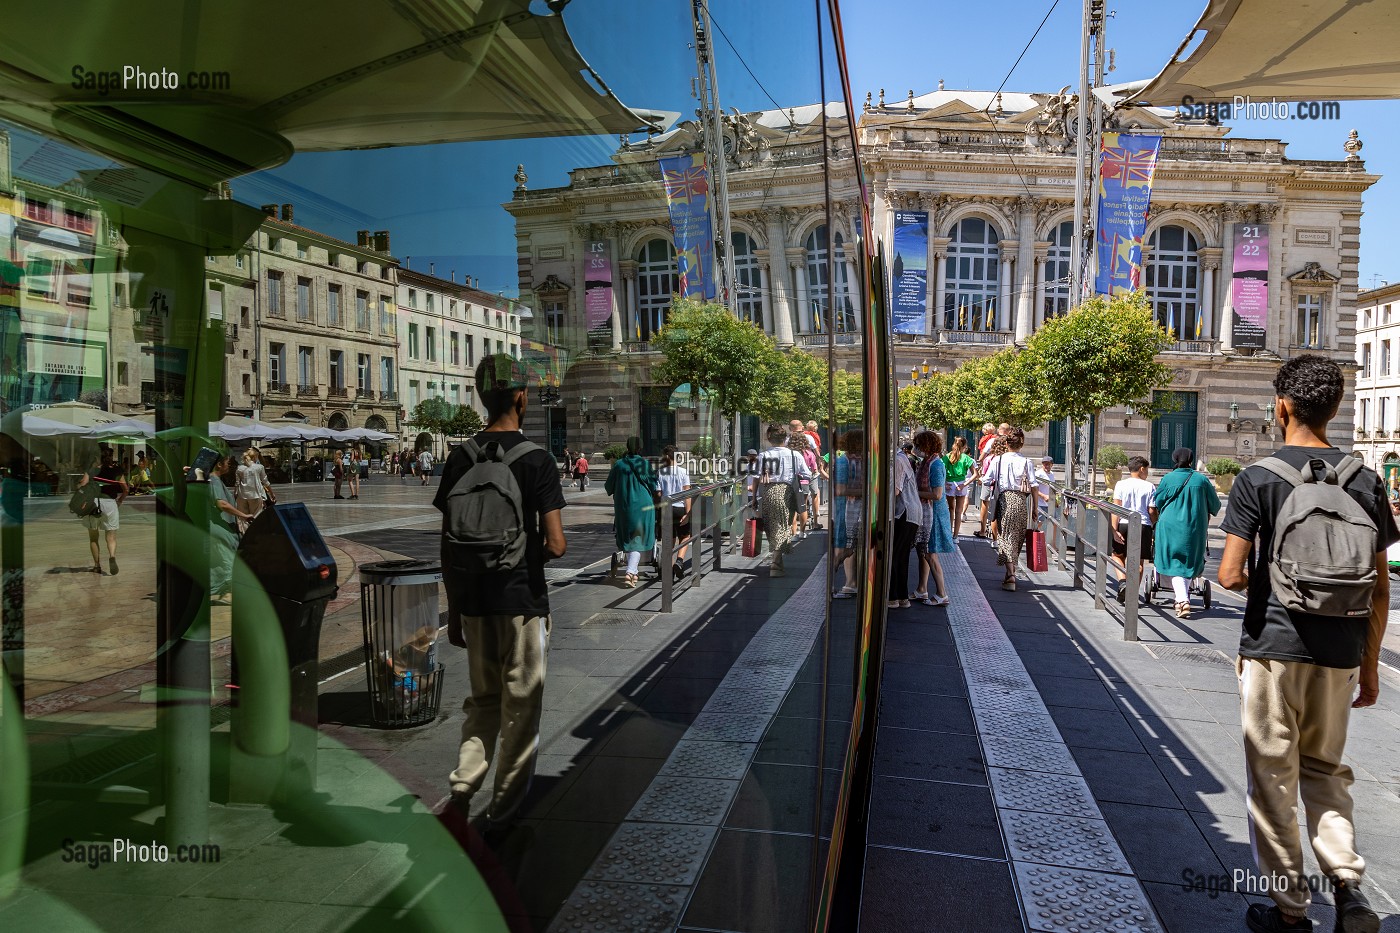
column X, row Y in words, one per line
column 753, row 537
column 1036, row 558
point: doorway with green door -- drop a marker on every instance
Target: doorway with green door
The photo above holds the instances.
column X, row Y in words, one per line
column 1173, row 429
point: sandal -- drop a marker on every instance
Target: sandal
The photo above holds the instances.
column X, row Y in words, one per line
column 630, row 581
column 919, row 597
column 846, row 592
column 1009, row 584
column 939, row 601
column 1183, row 610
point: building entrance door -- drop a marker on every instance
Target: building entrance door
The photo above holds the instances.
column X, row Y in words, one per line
column 558, row 431
column 1055, row 439
column 658, row 422
column 1174, row 429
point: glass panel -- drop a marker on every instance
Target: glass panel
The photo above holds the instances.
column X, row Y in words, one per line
column 266, row 697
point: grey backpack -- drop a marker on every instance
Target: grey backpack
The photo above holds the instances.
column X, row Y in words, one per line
column 485, row 526
column 1324, row 550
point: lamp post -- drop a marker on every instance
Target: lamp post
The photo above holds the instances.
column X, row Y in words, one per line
column 1234, row 422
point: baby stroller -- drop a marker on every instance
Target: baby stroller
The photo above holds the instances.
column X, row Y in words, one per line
column 1200, row 586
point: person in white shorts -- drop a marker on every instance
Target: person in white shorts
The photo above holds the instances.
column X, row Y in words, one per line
column 112, row 490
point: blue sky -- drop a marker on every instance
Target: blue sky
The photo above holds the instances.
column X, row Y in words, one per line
column 442, row 203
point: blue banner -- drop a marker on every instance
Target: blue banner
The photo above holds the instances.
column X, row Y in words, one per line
column 687, row 185
column 909, row 272
column 1126, row 164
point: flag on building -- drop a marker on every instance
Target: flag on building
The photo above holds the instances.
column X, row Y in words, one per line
column 687, row 185
column 1126, row 164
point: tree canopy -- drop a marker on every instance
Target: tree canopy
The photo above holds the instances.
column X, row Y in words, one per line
column 1100, row 355
column 439, row 416
column 706, row 345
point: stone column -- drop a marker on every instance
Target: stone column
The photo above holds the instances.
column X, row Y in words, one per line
column 1042, row 273
column 764, row 277
column 778, row 277
column 627, row 268
column 797, row 262
column 1229, row 217
column 1210, row 261
column 1025, row 260
column 853, row 293
column 940, row 279
column 1006, row 270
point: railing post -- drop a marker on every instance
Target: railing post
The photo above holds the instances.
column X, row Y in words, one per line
column 1133, row 573
column 1081, row 515
column 667, row 555
column 1100, row 560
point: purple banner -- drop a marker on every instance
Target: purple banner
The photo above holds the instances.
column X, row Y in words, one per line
column 598, row 289
column 1249, row 286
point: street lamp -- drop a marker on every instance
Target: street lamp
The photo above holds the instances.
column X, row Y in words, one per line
column 1268, row 426
column 583, row 408
column 1128, row 414
column 1234, row 422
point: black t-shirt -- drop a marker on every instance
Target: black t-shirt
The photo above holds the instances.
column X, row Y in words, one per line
column 112, row 472
column 521, row 591
column 1271, row 631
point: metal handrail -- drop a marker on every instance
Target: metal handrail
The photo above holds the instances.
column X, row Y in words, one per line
column 1069, row 523
column 723, row 514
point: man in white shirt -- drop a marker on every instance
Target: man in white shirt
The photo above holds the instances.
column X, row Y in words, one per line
column 774, row 491
column 1136, row 493
column 425, row 465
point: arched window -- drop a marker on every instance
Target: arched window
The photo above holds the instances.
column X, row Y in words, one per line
column 748, row 285
column 337, row 422
column 656, row 283
column 817, row 320
column 1057, row 269
column 376, row 423
column 970, row 274
column 1173, row 274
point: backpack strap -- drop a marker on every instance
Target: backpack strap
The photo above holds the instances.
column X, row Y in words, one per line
column 1346, row 469
column 474, row 451
column 518, row 451
column 1290, row 474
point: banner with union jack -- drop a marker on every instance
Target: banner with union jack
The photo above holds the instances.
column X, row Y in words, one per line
column 687, row 184
column 1126, row 164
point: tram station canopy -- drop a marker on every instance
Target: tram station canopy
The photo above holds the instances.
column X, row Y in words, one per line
column 1285, row 49
column 315, row 75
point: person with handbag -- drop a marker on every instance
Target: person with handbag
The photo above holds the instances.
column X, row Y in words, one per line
column 800, row 444
column 632, row 485
column 775, row 493
column 251, row 489
column 1010, row 484
column 106, row 519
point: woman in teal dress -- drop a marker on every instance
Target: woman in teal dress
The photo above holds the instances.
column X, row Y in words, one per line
column 632, row 485
column 1184, row 502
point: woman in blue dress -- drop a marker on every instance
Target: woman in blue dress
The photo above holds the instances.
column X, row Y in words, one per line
column 932, row 476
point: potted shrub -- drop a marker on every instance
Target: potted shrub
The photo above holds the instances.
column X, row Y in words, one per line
column 1224, row 470
column 1111, row 459
column 615, row 452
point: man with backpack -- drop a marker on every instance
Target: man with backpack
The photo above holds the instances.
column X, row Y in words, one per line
column 500, row 499
column 1317, row 525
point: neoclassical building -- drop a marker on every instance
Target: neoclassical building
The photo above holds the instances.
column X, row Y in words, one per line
column 1377, row 418
column 995, row 174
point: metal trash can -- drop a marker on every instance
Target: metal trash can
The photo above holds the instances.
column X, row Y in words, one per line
column 399, row 605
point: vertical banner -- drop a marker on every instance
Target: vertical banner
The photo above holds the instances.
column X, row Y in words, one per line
column 1126, row 164
column 1249, row 286
column 909, row 272
column 598, row 293
column 687, row 186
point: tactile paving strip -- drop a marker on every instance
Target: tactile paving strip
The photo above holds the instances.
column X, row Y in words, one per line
column 1065, row 900
column 1069, row 841
column 668, row 834
column 600, row 907
column 1044, row 792
column 1062, row 852
column 1017, row 724
column 654, row 853
column 1002, row 752
column 725, row 760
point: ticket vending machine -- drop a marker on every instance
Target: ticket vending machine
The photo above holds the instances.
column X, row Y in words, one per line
column 288, row 566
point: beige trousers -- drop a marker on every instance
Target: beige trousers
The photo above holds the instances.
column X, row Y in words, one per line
column 506, row 663
column 1294, row 716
